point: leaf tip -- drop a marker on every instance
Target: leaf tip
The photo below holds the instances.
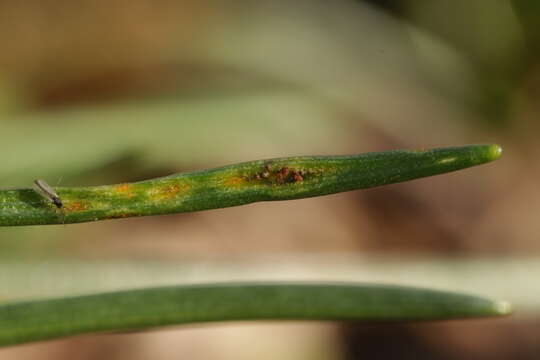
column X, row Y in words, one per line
column 502, row 307
column 494, row 152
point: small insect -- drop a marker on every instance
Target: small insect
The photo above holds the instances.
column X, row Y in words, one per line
column 43, row 189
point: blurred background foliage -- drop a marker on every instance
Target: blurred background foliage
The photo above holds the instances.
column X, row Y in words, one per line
column 95, row 92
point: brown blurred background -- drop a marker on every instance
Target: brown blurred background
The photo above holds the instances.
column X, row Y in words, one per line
column 95, row 92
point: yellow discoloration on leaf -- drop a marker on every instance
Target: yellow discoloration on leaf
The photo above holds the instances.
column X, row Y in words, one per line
column 447, row 160
column 234, row 181
column 76, row 206
column 167, row 192
column 124, row 189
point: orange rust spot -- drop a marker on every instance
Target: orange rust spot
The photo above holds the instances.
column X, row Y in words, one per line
column 297, row 176
column 234, row 181
column 124, row 188
column 75, row 206
column 169, row 191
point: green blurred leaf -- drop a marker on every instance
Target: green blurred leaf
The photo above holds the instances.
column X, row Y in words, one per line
column 70, row 142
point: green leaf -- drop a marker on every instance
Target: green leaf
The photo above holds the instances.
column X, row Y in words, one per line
column 239, row 184
column 137, row 309
column 196, row 130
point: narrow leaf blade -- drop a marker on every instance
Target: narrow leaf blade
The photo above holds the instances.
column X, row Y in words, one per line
column 138, row 309
column 239, row 184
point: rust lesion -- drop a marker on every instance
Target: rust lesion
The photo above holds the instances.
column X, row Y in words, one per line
column 169, row 191
column 298, row 176
column 125, row 190
column 282, row 175
column 235, row 181
column 74, row 206
column 122, row 187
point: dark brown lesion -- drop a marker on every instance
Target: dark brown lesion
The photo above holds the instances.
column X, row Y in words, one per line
column 281, row 175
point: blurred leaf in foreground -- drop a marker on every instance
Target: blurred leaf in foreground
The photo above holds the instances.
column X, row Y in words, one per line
column 137, row 309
